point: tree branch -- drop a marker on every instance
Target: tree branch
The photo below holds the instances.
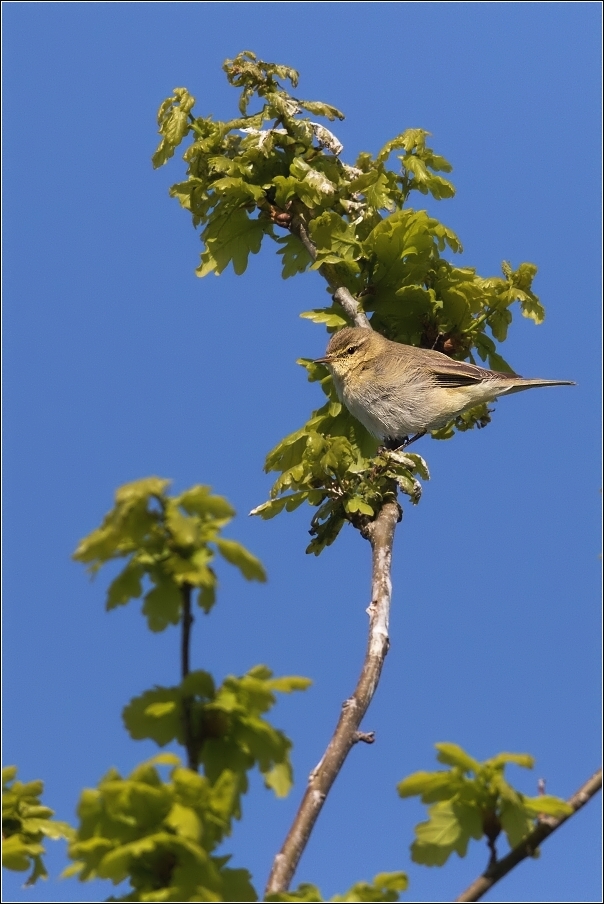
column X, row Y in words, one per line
column 530, row 844
column 345, row 299
column 187, row 621
column 380, row 534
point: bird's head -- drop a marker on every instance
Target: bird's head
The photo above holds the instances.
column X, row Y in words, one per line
column 350, row 348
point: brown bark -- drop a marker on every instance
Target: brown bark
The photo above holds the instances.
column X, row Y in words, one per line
column 380, row 534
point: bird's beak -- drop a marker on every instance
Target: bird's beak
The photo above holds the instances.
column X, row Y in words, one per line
column 325, row 360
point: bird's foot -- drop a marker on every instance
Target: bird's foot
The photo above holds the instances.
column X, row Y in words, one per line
column 397, row 444
column 391, row 445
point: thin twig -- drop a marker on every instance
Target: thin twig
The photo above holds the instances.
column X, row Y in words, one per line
column 340, row 293
column 351, row 307
column 380, row 534
column 187, row 621
column 530, row 844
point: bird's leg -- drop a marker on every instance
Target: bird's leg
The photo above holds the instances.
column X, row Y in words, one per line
column 399, row 443
column 407, row 441
column 391, row 444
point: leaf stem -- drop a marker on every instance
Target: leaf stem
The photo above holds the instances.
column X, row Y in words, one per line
column 193, row 125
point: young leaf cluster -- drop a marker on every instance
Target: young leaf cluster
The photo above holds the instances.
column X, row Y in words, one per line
column 385, row 887
column 163, row 835
column 333, row 464
column 274, row 172
column 169, row 540
column 25, row 824
column 159, row 834
column 471, row 800
column 226, row 726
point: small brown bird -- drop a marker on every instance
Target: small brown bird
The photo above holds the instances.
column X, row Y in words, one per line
column 399, row 392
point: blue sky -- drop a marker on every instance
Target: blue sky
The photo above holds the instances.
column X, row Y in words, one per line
column 121, row 363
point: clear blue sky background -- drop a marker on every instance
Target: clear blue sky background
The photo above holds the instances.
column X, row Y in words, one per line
column 120, row 363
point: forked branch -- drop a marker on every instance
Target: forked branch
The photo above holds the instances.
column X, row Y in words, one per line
column 527, row 848
column 380, row 534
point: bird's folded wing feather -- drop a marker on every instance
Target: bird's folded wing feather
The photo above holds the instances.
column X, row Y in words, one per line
column 450, row 373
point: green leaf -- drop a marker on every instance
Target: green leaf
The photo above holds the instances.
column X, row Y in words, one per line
column 531, row 307
column 289, row 683
column 499, row 321
column 237, row 885
column 280, row 779
column 163, row 605
column 409, row 140
column 156, row 714
column 199, row 683
column 183, row 529
column 430, row 786
column 206, row 598
column 52, row 828
column 200, row 501
column 335, row 239
column 141, row 490
column 126, row 586
column 454, row 755
column 325, row 315
column 269, row 509
column 185, row 821
column 321, row 109
column 17, row 853
column 25, row 823
column 519, row 759
column 496, row 362
column 173, row 121
column 230, row 238
column 295, row 257
column 9, row 773
column 385, row 887
column 358, row 505
column 304, row 892
column 547, row 804
column 249, row 566
column 164, row 759
column 514, row 820
column 294, row 500
column 449, row 829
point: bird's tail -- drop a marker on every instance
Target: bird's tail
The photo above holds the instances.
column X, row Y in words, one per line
column 522, row 384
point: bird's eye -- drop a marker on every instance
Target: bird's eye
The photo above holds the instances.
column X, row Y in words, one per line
column 351, row 349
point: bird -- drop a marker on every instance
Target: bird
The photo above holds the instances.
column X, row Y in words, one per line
column 400, row 392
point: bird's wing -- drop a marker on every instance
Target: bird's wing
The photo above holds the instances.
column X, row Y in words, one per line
column 455, row 374
column 450, row 373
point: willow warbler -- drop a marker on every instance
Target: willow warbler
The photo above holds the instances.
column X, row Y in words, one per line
column 399, row 392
